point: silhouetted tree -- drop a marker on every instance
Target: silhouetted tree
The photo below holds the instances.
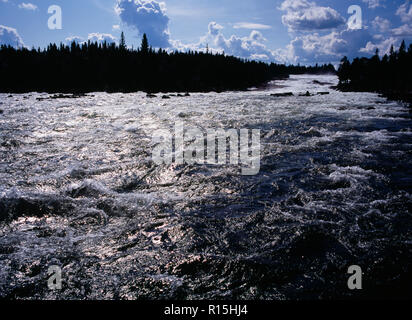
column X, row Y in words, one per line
column 390, row 76
column 344, row 70
column 92, row 66
column 122, row 44
column 145, row 44
column 392, row 54
column 402, row 48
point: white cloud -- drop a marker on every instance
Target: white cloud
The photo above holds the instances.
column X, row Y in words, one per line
column 147, row 16
column 250, row 47
column 28, row 6
column 116, row 27
column 321, row 46
column 93, row 37
column 383, row 46
column 76, row 39
column 101, row 37
column 10, row 36
column 403, row 31
column 295, row 5
column 383, row 43
column 214, row 28
column 302, row 15
column 326, row 48
column 329, row 40
column 372, row 4
column 405, row 12
column 329, row 43
column 250, row 25
column 381, row 24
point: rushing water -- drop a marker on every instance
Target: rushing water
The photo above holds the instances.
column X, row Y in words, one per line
column 78, row 189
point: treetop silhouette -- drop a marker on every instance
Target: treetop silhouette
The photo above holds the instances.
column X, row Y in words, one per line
column 92, row 66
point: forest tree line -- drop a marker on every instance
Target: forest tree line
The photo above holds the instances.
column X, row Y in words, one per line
column 92, row 66
column 390, row 75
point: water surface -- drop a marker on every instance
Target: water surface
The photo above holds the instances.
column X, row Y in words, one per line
column 78, row 189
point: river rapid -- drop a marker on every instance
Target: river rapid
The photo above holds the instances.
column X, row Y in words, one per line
column 79, row 190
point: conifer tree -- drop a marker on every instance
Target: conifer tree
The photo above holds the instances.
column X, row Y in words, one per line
column 145, row 44
column 122, row 44
column 402, row 48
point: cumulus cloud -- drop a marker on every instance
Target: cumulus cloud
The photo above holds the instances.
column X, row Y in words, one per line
column 101, row 37
column 381, row 24
column 71, row 39
column 405, row 12
column 147, row 16
column 329, row 43
column 327, row 48
column 403, row 31
column 214, row 29
column 396, row 34
column 249, row 47
column 302, row 15
column 383, row 46
column 330, row 39
column 372, row 4
column 10, row 36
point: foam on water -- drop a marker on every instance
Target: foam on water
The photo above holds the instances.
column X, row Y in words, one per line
column 78, row 189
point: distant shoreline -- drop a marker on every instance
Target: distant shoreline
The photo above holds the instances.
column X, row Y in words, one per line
column 388, row 76
column 93, row 67
column 74, row 93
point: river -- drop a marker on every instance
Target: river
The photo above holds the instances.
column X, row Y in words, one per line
column 79, row 190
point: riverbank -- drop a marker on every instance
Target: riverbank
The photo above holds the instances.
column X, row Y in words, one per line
column 395, row 95
column 388, row 76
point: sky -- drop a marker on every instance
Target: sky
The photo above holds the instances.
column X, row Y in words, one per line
column 283, row 31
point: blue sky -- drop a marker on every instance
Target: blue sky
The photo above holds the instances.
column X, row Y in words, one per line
column 292, row 31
